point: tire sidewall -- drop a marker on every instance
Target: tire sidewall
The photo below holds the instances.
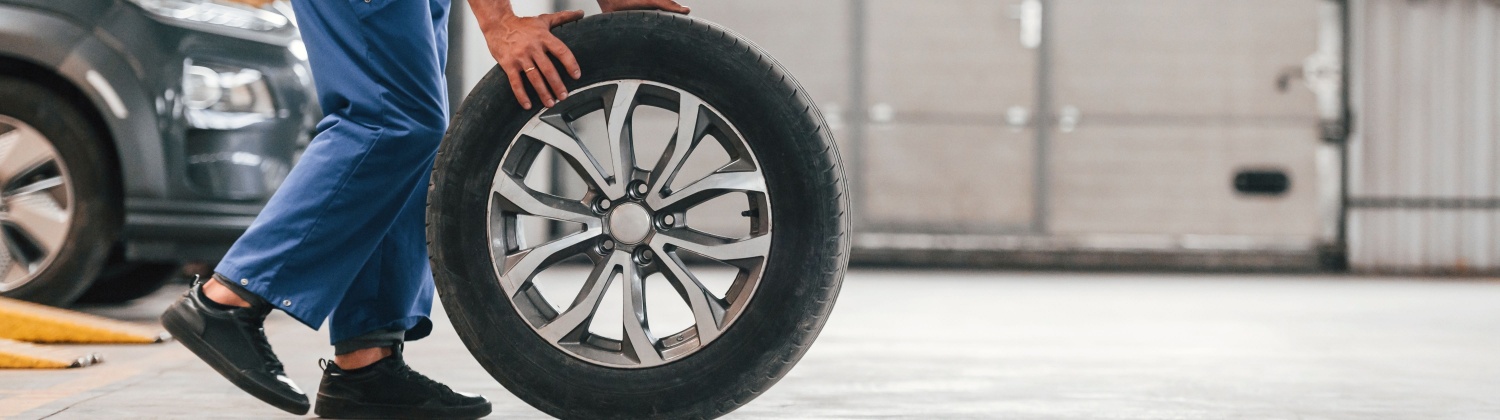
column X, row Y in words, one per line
column 803, row 270
column 95, row 217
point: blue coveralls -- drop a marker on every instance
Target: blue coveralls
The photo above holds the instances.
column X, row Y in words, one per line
column 343, row 238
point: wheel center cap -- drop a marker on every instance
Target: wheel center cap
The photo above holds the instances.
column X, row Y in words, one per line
column 630, row 223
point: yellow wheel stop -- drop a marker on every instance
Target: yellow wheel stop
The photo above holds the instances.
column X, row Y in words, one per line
column 18, row 355
column 30, row 322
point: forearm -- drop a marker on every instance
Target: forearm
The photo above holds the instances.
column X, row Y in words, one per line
column 491, row 13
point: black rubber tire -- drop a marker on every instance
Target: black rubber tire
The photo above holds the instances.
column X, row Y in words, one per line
column 804, row 270
column 122, row 282
column 96, row 208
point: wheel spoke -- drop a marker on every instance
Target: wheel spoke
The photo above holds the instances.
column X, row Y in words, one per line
column 516, row 197
column 522, row 266
column 21, row 150
column 40, row 218
column 713, row 185
column 554, row 132
column 40, row 186
column 15, row 271
column 637, row 341
column 691, row 125
column 711, row 246
column 577, row 316
column 708, row 310
column 619, row 108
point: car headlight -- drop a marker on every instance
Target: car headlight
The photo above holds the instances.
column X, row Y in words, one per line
column 225, row 98
column 216, row 12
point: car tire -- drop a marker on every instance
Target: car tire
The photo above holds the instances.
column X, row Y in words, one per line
column 90, row 200
column 803, row 269
column 123, row 282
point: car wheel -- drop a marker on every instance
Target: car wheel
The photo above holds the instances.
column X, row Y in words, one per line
column 58, row 214
column 780, row 273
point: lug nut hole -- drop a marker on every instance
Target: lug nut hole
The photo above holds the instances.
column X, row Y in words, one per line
column 639, row 189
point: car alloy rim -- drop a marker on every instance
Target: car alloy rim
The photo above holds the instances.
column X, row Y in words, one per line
column 36, row 203
column 633, row 224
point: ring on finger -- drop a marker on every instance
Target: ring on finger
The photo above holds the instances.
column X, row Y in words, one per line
column 529, row 69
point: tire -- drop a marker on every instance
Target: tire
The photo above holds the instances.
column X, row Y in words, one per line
column 802, row 269
column 87, row 195
column 123, row 282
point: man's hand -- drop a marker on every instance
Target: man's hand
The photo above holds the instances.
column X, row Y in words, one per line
column 618, row 5
column 522, row 45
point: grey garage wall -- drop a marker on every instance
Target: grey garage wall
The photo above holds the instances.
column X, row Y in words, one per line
column 1083, row 132
column 1423, row 170
column 1424, row 156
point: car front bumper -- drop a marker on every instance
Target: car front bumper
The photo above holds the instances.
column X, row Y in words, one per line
column 217, row 177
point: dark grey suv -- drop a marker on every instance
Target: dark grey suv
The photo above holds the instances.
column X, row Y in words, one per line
column 139, row 134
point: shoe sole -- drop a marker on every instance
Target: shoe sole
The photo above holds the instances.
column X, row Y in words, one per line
column 337, row 408
column 175, row 324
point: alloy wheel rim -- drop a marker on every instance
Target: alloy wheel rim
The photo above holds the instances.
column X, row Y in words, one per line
column 36, row 203
column 633, row 224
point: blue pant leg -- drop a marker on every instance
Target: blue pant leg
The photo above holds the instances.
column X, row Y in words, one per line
column 379, row 77
column 394, row 290
column 440, row 11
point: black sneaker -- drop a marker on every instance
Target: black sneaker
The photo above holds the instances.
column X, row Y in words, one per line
column 389, row 389
column 233, row 341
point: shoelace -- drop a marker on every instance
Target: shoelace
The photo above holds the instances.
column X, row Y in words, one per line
column 407, row 372
column 263, row 345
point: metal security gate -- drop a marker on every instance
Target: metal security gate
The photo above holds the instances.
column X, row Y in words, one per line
column 1424, row 172
column 1095, row 132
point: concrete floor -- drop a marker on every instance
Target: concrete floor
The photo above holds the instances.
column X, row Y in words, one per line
column 946, row 344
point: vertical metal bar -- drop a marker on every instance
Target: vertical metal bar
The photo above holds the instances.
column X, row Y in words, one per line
column 555, row 228
column 455, row 70
column 1356, row 229
column 855, row 164
column 1043, row 123
column 1346, row 47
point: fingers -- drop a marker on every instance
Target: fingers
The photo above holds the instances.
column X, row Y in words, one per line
column 664, row 5
column 564, row 55
column 558, row 18
column 672, row 6
column 538, row 83
column 527, row 61
column 513, row 74
column 548, row 72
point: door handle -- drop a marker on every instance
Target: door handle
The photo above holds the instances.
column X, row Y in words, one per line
column 1029, row 12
